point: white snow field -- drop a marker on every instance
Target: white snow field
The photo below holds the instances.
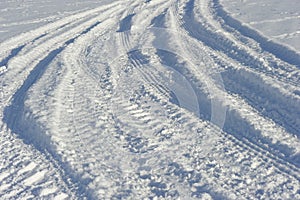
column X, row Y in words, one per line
column 149, row 99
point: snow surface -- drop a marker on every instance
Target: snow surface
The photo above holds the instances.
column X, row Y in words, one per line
column 277, row 20
column 149, row 99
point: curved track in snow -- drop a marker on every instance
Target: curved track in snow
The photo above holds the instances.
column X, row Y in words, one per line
column 144, row 99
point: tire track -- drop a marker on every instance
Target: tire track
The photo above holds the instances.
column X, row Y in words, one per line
column 141, row 61
column 21, row 63
column 137, row 115
column 294, row 170
column 181, row 173
column 16, row 116
column 263, row 126
column 234, row 45
column 86, row 124
column 253, row 78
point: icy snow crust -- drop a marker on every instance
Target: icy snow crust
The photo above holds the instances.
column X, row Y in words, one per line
column 148, row 99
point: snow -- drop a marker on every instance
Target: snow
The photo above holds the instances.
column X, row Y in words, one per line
column 21, row 16
column 35, row 178
column 61, row 196
column 185, row 99
column 27, row 168
column 278, row 20
column 48, row 191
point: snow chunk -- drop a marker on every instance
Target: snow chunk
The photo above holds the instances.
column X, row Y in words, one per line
column 3, row 69
column 48, row 191
column 29, row 167
column 3, row 176
column 37, row 177
column 61, row 196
